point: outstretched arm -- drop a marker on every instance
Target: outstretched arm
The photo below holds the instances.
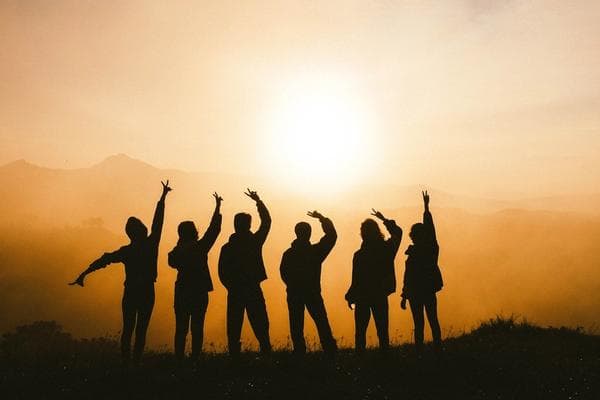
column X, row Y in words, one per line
column 159, row 213
column 210, row 236
column 394, row 230
column 102, row 262
column 328, row 240
column 265, row 217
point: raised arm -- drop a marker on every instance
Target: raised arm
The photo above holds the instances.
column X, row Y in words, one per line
column 394, row 230
column 428, row 219
column 213, row 230
column 265, row 217
column 159, row 213
column 102, row 262
column 328, row 240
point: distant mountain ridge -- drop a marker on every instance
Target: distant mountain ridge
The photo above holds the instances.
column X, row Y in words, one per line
column 32, row 191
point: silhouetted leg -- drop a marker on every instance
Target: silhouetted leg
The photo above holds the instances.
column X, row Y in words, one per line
column 182, row 322
column 362, row 314
column 259, row 320
column 143, row 320
column 316, row 309
column 235, row 318
column 416, row 308
column 296, row 315
column 432, row 317
column 198, row 314
column 381, row 317
column 129, row 316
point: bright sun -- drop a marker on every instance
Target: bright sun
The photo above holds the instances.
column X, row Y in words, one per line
column 319, row 134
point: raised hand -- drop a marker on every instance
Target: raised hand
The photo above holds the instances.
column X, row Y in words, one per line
column 377, row 214
column 78, row 281
column 218, row 199
column 252, row 194
column 425, row 198
column 315, row 214
column 166, row 188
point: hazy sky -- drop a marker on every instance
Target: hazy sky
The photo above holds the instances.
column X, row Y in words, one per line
column 493, row 98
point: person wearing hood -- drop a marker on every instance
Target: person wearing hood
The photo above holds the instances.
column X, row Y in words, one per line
column 301, row 271
column 190, row 259
column 373, row 279
column 241, row 270
column 423, row 278
column 140, row 260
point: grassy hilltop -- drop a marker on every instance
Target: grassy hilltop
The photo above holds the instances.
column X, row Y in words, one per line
column 501, row 359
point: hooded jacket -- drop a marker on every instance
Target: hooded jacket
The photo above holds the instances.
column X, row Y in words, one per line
column 140, row 257
column 422, row 275
column 373, row 274
column 190, row 259
column 241, row 262
column 301, row 264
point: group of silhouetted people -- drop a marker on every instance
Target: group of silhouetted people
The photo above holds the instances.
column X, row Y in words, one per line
column 242, row 269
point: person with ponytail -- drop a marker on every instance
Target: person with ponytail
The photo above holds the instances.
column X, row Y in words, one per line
column 423, row 278
column 190, row 259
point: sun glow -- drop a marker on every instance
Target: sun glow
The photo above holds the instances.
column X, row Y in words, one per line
column 320, row 134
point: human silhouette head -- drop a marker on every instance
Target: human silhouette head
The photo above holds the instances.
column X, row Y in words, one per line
column 135, row 229
column 417, row 233
column 242, row 222
column 369, row 231
column 187, row 231
column 303, row 231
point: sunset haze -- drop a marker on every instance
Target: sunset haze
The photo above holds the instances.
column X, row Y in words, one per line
column 338, row 106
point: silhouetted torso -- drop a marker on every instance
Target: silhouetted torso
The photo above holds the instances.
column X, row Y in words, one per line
column 373, row 274
column 139, row 257
column 241, row 261
column 301, row 263
column 191, row 259
column 422, row 275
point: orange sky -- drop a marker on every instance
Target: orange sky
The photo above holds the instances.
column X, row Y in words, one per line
column 490, row 98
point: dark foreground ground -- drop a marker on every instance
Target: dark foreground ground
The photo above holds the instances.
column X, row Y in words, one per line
column 502, row 359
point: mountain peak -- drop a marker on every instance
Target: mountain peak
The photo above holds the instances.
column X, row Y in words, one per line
column 122, row 160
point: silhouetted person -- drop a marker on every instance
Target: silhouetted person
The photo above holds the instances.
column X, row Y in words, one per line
column 190, row 258
column 241, row 270
column 301, row 271
column 373, row 279
column 140, row 259
column 422, row 278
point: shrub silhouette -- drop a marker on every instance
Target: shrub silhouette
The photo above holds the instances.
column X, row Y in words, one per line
column 37, row 341
column 47, row 342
